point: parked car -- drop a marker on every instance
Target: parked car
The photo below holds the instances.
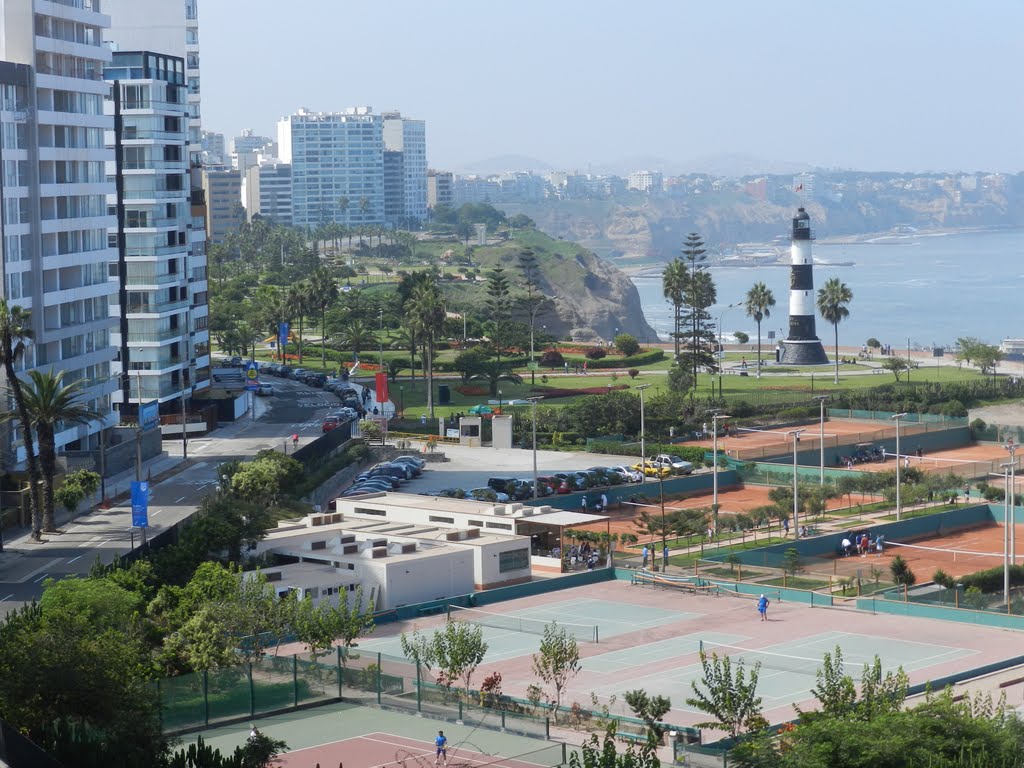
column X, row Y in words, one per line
column 569, row 482
column 500, row 484
column 675, row 464
column 543, row 489
column 416, row 468
column 629, row 474
column 413, row 459
column 265, row 390
column 268, row 369
column 452, row 493
column 650, row 469
column 379, row 478
column 329, row 423
column 285, row 371
column 552, row 483
column 488, row 495
column 607, row 475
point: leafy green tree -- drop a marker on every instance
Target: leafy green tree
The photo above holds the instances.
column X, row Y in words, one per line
column 758, row 305
column 426, row 316
column 49, row 403
column 15, row 330
column 299, row 297
column 680, row 379
column 494, row 372
column 901, row 573
column 557, row 662
column 728, row 696
column 356, row 336
column 456, row 650
column 322, row 296
column 499, row 295
column 650, row 709
column 832, row 300
column 470, row 362
column 627, row 344
column 792, row 563
column 603, row 753
column 699, row 293
column 76, row 488
column 897, row 365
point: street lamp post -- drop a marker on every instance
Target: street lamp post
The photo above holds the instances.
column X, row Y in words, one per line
column 1007, row 512
column 795, row 434
column 643, row 447
column 715, row 416
column 138, row 430
column 821, row 438
column 380, row 339
column 721, row 349
column 499, row 399
column 401, row 394
column 1011, row 494
column 896, row 417
column 533, row 401
column 533, row 320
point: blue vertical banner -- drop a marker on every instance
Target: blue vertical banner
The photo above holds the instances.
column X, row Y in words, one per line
column 282, row 334
column 140, row 504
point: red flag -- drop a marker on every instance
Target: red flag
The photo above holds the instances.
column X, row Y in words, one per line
column 382, row 388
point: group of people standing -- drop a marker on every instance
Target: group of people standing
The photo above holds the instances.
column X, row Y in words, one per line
column 863, row 544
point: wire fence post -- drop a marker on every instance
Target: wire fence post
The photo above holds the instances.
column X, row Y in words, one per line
column 206, row 697
column 295, row 678
column 252, row 694
column 419, row 694
column 379, row 662
column 341, row 671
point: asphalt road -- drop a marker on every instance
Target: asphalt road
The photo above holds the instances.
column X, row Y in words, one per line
column 103, row 534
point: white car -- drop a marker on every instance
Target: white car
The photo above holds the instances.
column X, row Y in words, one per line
column 629, row 474
column 673, row 463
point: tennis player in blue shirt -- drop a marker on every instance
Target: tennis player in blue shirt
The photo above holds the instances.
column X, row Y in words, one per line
column 441, row 743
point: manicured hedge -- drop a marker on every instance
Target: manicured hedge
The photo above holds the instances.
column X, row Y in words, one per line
column 644, row 358
column 991, row 580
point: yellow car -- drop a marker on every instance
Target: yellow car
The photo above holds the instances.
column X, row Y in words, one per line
column 650, row 469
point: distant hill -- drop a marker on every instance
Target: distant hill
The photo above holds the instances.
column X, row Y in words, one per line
column 504, row 164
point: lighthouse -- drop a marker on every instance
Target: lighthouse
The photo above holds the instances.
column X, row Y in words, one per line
column 802, row 346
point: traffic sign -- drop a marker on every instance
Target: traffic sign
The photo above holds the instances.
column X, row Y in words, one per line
column 252, row 376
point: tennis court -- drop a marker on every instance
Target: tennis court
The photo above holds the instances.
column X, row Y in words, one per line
column 516, row 633
column 957, row 553
column 362, row 737
column 650, row 638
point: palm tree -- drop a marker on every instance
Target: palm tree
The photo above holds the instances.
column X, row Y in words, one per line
column 494, row 372
column 52, row 404
column 14, row 332
column 343, row 203
column 759, row 302
column 405, row 338
column 832, row 300
column 357, row 336
column 674, row 283
column 299, row 298
column 323, row 293
column 426, row 317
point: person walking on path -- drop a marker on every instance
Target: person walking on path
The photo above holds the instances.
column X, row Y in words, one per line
column 295, row 440
column 441, row 745
column 643, row 554
column 762, row 607
column 664, row 558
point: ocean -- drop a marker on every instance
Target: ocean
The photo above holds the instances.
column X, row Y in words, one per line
column 926, row 289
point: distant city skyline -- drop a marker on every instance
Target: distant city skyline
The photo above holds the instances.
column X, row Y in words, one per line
column 912, row 86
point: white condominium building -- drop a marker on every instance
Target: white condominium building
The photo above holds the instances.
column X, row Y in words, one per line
column 405, row 141
column 337, row 161
column 54, row 190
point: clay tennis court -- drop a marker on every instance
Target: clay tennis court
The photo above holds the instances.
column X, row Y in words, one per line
column 753, row 445
column 972, row 461
column 977, row 549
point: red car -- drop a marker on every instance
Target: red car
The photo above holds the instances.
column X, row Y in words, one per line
column 329, row 423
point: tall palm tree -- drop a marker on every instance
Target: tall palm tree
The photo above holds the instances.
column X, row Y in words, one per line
column 426, row 316
column 51, row 404
column 758, row 304
column 323, row 293
column 405, row 338
column 299, row 298
column 357, row 336
column 343, row 204
column 832, row 300
column 14, row 332
column 494, row 372
column 673, row 284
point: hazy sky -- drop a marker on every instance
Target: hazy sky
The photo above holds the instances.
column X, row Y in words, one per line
column 907, row 85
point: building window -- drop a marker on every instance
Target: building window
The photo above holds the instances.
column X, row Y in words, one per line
column 439, row 519
column 502, row 526
column 365, row 511
column 513, row 560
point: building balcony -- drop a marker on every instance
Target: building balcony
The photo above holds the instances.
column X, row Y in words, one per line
column 155, row 337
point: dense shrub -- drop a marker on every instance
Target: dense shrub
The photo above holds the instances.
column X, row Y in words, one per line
column 627, row 344
column 636, row 361
column 552, row 358
column 991, row 579
column 596, row 353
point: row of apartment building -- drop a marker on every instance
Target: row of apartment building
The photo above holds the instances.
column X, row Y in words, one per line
column 354, row 167
column 102, row 234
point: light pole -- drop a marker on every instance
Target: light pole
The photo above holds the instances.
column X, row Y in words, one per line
column 1007, row 511
column 821, row 438
column 896, row 417
column 381, row 340
column 499, row 399
column 401, row 394
column 795, row 434
column 643, row 447
column 1011, row 493
column 533, row 402
column 138, row 431
column 715, row 416
column 721, row 349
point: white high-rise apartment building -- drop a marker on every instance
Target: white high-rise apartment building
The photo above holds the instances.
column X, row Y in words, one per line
column 53, row 228
column 268, row 192
column 150, row 138
column 337, row 161
column 409, row 138
column 171, row 27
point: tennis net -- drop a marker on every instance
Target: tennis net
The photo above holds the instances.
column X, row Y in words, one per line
column 797, row 664
column 587, row 633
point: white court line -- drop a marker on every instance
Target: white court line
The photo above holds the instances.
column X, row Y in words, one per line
column 75, row 558
column 87, row 543
column 202, row 447
column 452, row 751
column 157, row 512
column 180, row 500
column 40, row 578
column 5, row 599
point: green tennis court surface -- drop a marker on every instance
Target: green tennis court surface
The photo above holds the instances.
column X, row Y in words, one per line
column 612, row 618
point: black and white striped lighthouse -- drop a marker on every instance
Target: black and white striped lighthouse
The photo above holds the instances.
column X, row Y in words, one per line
column 802, row 346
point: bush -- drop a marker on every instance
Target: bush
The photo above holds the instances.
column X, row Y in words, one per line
column 644, row 358
column 552, row 358
column 954, row 408
column 633, row 373
column 943, row 579
column 595, row 353
column 627, row 344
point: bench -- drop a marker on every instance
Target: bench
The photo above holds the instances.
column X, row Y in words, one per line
column 431, row 610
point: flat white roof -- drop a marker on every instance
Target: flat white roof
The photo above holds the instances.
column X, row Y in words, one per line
column 565, row 518
column 307, row 575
